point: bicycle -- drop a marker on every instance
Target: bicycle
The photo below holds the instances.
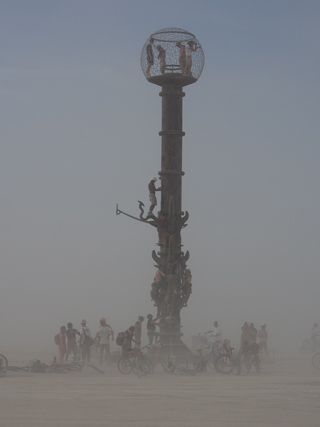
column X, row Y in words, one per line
column 135, row 361
column 316, row 361
column 3, row 365
column 3, row 362
column 171, row 367
column 199, row 362
column 248, row 356
column 226, row 362
column 154, row 353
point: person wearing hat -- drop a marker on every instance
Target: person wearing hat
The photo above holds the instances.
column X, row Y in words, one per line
column 137, row 330
column 84, row 343
column 72, row 341
column 152, row 194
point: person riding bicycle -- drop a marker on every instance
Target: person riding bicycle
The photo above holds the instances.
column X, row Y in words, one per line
column 216, row 334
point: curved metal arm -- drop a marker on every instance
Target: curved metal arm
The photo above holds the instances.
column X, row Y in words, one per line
column 152, row 220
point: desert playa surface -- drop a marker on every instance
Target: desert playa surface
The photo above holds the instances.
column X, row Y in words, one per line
column 286, row 393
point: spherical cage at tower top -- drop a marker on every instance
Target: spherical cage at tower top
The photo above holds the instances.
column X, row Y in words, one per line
column 172, row 50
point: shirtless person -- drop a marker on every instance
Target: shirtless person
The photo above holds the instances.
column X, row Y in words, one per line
column 186, row 287
column 159, row 280
column 190, row 47
column 152, row 194
column 162, row 58
column 151, row 329
column 149, row 56
column 182, row 56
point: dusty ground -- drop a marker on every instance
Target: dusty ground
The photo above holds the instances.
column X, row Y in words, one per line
column 286, row 393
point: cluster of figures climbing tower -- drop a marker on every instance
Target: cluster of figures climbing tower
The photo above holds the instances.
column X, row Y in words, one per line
column 172, row 283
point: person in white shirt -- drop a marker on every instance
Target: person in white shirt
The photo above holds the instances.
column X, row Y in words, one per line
column 103, row 335
column 216, row 333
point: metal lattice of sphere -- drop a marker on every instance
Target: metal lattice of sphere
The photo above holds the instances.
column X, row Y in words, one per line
column 159, row 67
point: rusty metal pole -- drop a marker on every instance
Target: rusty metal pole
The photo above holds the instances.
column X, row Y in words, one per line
column 171, row 146
column 172, row 75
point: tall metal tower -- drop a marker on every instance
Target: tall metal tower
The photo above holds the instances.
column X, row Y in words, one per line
column 171, row 58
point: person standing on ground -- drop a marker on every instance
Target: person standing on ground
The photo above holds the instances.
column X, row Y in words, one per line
column 263, row 338
column 245, row 333
column 84, row 342
column 104, row 334
column 253, row 332
column 62, row 343
column 137, row 330
column 72, row 341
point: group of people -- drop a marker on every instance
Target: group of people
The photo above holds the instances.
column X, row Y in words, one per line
column 185, row 56
column 133, row 333
column 67, row 338
column 251, row 335
column 67, row 342
column 81, row 349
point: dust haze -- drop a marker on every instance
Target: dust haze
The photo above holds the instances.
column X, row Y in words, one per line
column 79, row 134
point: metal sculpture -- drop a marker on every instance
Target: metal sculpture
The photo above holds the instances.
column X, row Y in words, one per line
column 171, row 58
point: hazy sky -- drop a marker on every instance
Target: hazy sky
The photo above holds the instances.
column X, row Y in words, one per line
column 79, row 134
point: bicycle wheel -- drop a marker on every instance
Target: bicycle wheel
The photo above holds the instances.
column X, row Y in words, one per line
column 183, row 370
column 124, row 365
column 165, row 362
column 248, row 363
column 256, row 363
column 140, row 367
column 235, row 365
column 316, row 361
column 75, row 366
column 194, row 363
column 143, row 367
column 222, row 364
column 3, row 362
column 149, row 364
column 210, row 363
